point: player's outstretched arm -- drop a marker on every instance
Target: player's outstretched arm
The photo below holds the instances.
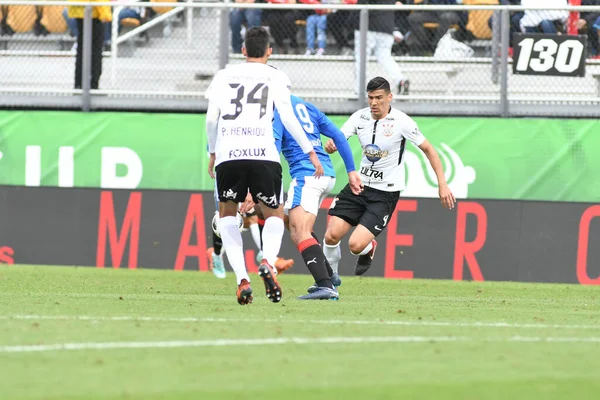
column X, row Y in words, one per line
column 328, row 128
column 446, row 196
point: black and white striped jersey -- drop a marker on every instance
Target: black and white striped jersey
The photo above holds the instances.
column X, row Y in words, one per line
column 383, row 143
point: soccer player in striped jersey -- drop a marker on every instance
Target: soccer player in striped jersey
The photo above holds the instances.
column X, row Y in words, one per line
column 382, row 132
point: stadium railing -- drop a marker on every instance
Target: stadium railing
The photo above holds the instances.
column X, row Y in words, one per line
column 191, row 40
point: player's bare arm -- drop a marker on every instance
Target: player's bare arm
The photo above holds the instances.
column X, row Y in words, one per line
column 446, row 197
column 355, row 183
column 212, row 121
column 211, row 165
column 314, row 159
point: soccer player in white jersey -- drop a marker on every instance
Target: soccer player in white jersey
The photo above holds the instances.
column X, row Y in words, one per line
column 382, row 132
column 239, row 119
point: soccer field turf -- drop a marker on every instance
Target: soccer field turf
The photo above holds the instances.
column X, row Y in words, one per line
column 85, row 333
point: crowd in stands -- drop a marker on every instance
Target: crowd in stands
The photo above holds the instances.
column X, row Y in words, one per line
column 320, row 31
column 416, row 33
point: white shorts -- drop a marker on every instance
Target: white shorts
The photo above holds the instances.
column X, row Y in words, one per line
column 308, row 192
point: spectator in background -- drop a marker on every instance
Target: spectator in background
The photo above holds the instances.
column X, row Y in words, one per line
column 282, row 26
column 5, row 29
column 589, row 23
column 250, row 16
column 340, row 25
column 515, row 18
column 380, row 39
column 74, row 30
column 139, row 13
column 544, row 21
column 316, row 22
column 402, row 29
column 100, row 15
column 419, row 41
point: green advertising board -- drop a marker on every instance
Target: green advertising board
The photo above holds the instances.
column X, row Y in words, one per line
column 488, row 158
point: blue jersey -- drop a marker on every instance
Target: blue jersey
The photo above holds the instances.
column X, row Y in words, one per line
column 314, row 123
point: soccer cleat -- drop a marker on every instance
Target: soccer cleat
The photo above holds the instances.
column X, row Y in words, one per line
column 282, row 265
column 404, row 87
column 244, row 293
column 215, row 263
column 364, row 262
column 272, row 288
column 218, row 266
column 335, row 279
column 322, row 293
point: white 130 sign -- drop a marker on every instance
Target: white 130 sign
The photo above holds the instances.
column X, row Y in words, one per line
column 550, row 55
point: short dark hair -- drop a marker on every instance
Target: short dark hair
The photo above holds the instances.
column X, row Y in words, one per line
column 378, row 83
column 256, row 42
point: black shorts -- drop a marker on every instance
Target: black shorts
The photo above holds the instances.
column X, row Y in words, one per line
column 261, row 178
column 371, row 209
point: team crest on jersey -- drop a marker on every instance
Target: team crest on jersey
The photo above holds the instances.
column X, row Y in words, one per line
column 387, row 130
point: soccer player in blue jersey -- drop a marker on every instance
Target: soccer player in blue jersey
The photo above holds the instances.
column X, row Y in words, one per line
column 306, row 191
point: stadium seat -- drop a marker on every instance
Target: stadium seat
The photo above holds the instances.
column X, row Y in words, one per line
column 130, row 22
column 431, row 25
column 162, row 10
column 21, row 18
column 53, row 20
column 478, row 19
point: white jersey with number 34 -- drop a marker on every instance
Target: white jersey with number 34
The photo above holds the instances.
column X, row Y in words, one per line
column 383, row 142
column 245, row 95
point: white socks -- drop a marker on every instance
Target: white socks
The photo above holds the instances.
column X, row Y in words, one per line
column 366, row 250
column 332, row 254
column 255, row 231
column 232, row 243
column 272, row 234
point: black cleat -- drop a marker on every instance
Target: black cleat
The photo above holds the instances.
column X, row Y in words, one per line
column 335, row 280
column 364, row 262
column 272, row 288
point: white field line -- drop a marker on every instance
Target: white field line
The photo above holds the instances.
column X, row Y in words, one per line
column 475, row 324
column 177, row 296
column 280, row 341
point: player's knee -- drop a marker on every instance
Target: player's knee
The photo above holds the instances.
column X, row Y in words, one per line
column 356, row 245
column 331, row 239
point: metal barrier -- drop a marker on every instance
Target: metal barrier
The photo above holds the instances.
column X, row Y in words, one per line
column 459, row 60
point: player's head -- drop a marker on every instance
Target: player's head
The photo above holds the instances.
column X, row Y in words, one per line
column 379, row 96
column 257, row 44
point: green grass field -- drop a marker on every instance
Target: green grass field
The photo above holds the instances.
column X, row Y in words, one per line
column 85, row 333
